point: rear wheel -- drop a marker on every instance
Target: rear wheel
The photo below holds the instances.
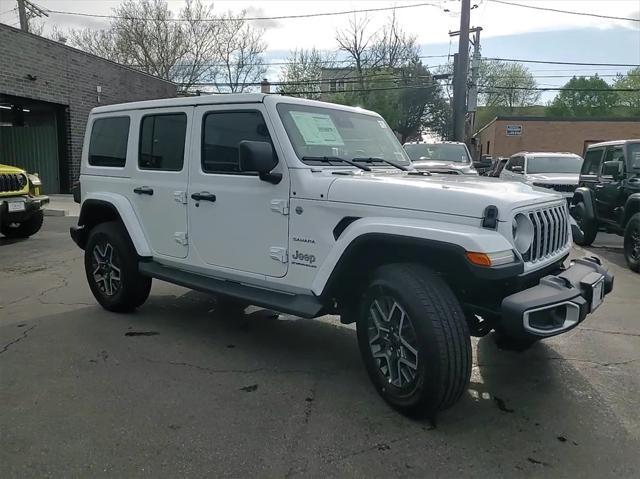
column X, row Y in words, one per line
column 24, row 229
column 587, row 225
column 632, row 243
column 414, row 339
column 111, row 267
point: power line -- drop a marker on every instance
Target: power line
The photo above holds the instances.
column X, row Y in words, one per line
column 570, row 12
column 549, row 62
column 278, row 17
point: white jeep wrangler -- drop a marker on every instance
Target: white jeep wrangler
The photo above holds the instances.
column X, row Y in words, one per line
column 311, row 208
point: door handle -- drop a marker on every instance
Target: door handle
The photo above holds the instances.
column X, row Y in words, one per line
column 204, row 196
column 143, row 190
column 599, row 187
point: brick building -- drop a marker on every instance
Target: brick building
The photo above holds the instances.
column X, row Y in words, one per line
column 506, row 135
column 46, row 92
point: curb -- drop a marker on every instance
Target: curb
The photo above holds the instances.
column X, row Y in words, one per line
column 55, row 212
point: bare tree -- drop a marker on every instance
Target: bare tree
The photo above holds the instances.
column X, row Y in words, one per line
column 393, row 47
column 303, row 73
column 356, row 42
column 196, row 46
column 239, row 48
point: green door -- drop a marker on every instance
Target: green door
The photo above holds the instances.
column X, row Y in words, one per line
column 34, row 149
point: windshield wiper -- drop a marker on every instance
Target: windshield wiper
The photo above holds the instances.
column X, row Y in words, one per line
column 329, row 159
column 371, row 159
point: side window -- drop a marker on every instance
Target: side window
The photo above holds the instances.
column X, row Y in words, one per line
column 221, row 134
column 592, row 162
column 108, row 143
column 515, row 161
column 162, row 142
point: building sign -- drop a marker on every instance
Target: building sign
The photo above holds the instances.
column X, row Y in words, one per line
column 514, row 130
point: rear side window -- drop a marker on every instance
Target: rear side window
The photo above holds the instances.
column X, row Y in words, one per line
column 108, row 144
column 221, row 134
column 592, row 162
column 162, row 142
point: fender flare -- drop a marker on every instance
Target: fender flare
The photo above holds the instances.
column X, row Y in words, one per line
column 584, row 194
column 124, row 210
column 631, row 207
column 462, row 237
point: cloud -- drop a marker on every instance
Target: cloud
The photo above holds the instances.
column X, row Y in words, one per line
column 260, row 12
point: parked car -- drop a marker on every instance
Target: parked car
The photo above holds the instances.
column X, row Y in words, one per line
column 21, row 203
column 448, row 157
column 313, row 208
column 608, row 198
column 554, row 171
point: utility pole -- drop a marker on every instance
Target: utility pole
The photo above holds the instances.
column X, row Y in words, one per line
column 462, row 71
column 473, row 86
column 24, row 21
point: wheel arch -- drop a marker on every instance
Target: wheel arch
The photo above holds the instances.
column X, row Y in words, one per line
column 584, row 194
column 102, row 208
column 631, row 207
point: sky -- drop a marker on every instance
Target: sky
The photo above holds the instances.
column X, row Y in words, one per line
column 508, row 31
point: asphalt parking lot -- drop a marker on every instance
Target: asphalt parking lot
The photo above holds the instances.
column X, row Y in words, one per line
column 179, row 390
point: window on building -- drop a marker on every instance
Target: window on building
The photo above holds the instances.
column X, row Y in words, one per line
column 332, row 85
column 592, row 162
column 162, row 142
column 222, row 133
column 108, row 143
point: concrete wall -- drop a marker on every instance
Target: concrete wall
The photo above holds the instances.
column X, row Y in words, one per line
column 540, row 134
column 40, row 69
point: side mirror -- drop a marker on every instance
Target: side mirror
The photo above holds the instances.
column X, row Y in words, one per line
column 482, row 163
column 258, row 156
column 614, row 169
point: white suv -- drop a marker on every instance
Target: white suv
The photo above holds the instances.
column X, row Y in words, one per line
column 311, row 208
column 555, row 171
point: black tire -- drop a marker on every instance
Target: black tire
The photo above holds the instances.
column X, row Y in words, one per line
column 510, row 343
column 588, row 226
column 24, row 229
column 438, row 331
column 109, row 248
column 632, row 243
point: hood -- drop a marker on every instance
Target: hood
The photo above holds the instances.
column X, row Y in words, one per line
column 555, row 178
column 449, row 194
column 10, row 169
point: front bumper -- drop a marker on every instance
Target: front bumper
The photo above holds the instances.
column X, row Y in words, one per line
column 559, row 302
column 31, row 204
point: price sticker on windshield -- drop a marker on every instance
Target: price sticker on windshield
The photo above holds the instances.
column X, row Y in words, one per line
column 317, row 129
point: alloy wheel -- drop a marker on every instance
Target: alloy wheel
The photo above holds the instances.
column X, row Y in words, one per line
column 106, row 268
column 393, row 341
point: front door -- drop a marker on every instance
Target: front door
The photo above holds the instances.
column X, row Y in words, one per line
column 159, row 178
column 236, row 220
column 609, row 189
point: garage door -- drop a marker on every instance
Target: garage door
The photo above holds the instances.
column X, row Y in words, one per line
column 35, row 149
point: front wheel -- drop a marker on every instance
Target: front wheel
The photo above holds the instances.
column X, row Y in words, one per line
column 414, row 340
column 24, row 229
column 632, row 243
column 587, row 225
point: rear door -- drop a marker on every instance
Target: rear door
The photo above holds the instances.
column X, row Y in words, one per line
column 159, row 178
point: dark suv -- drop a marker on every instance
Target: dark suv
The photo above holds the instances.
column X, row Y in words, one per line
column 608, row 196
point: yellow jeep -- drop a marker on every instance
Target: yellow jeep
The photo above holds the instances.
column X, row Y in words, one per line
column 21, row 203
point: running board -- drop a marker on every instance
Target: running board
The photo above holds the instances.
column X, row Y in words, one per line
column 306, row 306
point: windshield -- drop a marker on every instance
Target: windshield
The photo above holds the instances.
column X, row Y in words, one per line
column 634, row 156
column 554, row 164
column 326, row 132
column 450, row 153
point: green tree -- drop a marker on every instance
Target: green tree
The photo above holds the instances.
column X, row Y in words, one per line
column 583, row 97
column 630, row 81
column 506, row 86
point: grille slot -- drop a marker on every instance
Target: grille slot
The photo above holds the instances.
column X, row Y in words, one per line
column 550, row 232
column 557, row 187
column 12, row 182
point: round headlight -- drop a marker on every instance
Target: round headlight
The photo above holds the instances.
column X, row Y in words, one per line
column 522, row 229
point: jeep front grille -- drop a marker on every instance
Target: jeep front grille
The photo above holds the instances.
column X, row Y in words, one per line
column 550, row 232
column 12, row 182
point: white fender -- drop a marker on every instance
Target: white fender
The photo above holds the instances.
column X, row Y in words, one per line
column 128, row 216
column 471, row 238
